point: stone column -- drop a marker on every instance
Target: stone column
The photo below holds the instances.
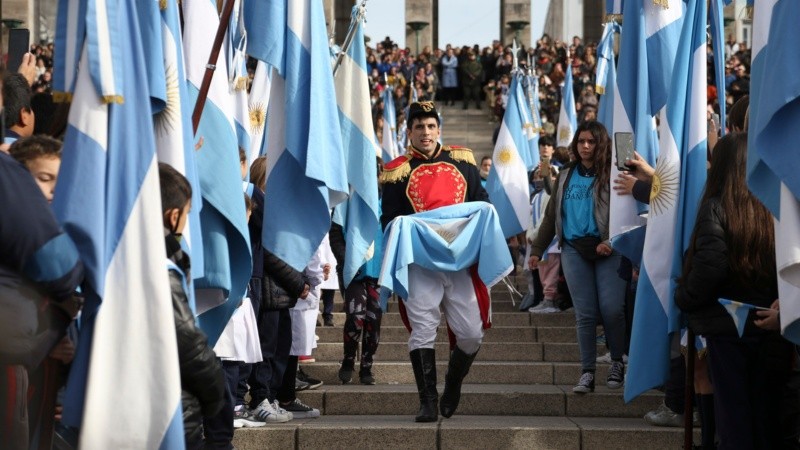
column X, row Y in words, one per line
column 515, row 18
column 420, row 24
column 593, row 13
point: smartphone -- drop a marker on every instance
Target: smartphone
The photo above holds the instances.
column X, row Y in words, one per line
column 19, row 41
column 714, row 118
column 623, row 143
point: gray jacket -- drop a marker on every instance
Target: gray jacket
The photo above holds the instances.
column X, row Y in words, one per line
column 552, row 223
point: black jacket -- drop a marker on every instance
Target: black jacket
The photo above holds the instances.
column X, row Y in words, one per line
column 711, row 278
column 280, row 279
column 202, row 381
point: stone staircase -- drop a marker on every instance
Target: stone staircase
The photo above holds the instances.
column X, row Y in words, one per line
column 518, row 394
column 468, row 128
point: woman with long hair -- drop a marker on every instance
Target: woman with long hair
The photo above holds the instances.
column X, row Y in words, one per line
column 578, row 214
column 732, row 256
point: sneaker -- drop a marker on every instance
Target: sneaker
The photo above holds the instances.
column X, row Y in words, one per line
column 346, row 371
column 300, row 385
column 365, row 376
column 300, row 410
column 616, row 375
column 328, row 321
column 664, row 417
column 313, row 383
column 606, row 359
column 307, row 359
column 545, row 307
column 266, row 411
column 244, row 418
column 585, row 384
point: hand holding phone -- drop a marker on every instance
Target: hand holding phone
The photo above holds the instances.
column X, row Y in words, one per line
column 623, row 143
column 18, row 46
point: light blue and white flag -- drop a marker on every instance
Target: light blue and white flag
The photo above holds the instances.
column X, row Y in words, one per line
column 258, row 104
column 717, row 31
column 104, row 47
column 450, row 238
column 530, row 155
column 535, row 129
column 226, row 239
column 306, row 174
column 69, row 39
column 663, row 20
column 567, row 117
column 614, row 7
column 238, row 77
column 389, row 141
column 173, row 114
column 739, row 312
column 774, row 115
column 625, row 223
column 114, row 216
column 507, row 184
column 678, row 184
column 359, row 215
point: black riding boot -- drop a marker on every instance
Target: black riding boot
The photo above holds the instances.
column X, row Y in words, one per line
column 458, row 368
column 423, row 360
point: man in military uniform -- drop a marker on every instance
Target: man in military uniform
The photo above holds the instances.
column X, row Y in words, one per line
column 427, row 177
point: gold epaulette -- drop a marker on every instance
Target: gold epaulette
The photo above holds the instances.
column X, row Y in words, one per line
column 460, row 154
column 396, row 170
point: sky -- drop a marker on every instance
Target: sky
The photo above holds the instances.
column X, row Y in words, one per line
column 461, row 22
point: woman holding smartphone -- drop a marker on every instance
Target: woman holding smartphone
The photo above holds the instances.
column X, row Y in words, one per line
column 578, row 214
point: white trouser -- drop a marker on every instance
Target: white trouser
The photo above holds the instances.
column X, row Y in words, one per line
column 427, row 290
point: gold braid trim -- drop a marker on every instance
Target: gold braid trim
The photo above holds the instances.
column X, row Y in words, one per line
column 461, row 154
column 396, row 174
column 108, row 99
column 62, row 97
column 162, row 4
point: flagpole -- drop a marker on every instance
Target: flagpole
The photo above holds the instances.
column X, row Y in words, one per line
column 688, row 412
column 211, row 66
column 348, row 40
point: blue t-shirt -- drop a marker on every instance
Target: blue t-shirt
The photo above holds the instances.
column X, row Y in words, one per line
column 577, row 210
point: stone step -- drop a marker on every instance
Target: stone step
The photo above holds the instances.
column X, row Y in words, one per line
column 510, row 319
column 482, row 399
column 485, row 370
column 400, row 334
column 461, row 432
column 398, row 351
column 500, row 303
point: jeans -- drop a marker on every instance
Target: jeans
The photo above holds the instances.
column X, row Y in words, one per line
column 327, row 302
column 275, row 334
column 598, row 295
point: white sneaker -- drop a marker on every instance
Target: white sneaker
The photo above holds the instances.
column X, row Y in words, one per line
column 606, row 359
column 243, row 418
column 266, row 412
column 545, row 307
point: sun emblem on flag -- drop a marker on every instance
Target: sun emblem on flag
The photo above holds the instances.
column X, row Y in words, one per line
column 167, row 118
column 258, row 116
column 564, row 133
column 666, row 182
column 505, row 157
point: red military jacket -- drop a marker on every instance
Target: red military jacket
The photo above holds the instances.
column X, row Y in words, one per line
column 414, row 183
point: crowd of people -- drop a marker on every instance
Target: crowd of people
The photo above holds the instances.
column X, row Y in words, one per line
column 745, row 384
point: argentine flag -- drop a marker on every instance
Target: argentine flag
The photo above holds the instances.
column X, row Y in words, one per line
column 614, row 7
column 772, row 160
column 663, row 20
column 677, row 187
column 306, row 174
column 226, row 239
column 389, row 144
column 567, row 117
column 535, row 129
column 507, row 184
column 258, row 103
column 717, row 31
column 625, row 223
column 359, row 215
column 70, row 37
column 114, row 216
column 172, row 112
